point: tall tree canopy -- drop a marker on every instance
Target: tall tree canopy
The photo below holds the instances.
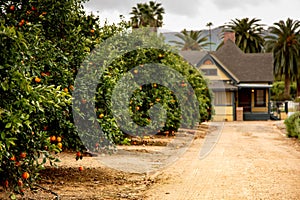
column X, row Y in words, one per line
column 284, row 43
column 147, row 15
column 248, row 34
column 191, row 40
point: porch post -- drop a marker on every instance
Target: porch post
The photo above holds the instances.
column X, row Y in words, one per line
column 233, row 104
column 269, row 102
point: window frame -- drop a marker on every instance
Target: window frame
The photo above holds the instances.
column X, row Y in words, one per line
column 256, row 96
column 210, row 70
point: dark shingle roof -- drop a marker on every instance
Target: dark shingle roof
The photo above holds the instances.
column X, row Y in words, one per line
column 247, row 67
column 193, row 57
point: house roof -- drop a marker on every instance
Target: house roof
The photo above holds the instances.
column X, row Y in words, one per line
column 193, row 57
column 221, row 85
column 247, row 67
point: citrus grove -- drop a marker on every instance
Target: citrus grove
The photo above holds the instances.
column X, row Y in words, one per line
column 42, row 47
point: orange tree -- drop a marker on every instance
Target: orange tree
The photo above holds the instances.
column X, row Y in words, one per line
column 137, row 55
column 42, row 43
column 65, row 35
column 25, row 107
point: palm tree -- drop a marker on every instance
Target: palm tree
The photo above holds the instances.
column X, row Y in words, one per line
column 191, row 40
column 284, row 43
column 209, row 24
column 248, row 34
column 147, row 15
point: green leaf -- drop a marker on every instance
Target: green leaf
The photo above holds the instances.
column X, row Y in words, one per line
column 8, row 125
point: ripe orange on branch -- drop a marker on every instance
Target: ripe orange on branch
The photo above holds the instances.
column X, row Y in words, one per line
column 25, row 175
column 53, row 138
column 59, row 145
column 20, row 183
column 13, row 158
column 12, row 8
column 37, row 79
column 58, row 139
column 23, row 155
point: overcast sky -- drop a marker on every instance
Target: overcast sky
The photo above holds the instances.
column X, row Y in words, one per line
column 195, row 14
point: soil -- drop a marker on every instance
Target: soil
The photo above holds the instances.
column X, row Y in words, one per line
column 250, row 160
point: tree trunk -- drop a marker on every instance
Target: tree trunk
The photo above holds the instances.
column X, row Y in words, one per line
column 298, row 88
column 287, row 86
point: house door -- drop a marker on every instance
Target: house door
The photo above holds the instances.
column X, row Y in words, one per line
column 245, row 99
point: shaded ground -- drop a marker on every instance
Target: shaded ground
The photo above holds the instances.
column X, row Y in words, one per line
column 252, row 160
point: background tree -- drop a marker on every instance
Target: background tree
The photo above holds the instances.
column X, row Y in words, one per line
column 248, row 34
column 147, row 15
column 284, row 43
column 209, row 24
column 191, row 40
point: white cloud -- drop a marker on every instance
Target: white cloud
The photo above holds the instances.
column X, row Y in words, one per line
column 195, row 14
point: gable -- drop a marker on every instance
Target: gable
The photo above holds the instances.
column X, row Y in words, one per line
column 209, row 63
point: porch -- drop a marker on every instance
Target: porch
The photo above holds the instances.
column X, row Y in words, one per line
column 255, row 101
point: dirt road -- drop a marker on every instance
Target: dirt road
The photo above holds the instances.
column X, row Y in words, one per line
column 252, row 160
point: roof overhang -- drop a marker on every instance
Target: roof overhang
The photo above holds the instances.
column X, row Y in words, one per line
column 253, row 85
column 221, row 86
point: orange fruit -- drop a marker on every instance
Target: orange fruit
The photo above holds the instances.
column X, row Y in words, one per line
column 23, row 155
column 101, row 115
column 37, row 79
column 59, row 145
column 13, row 158
column 53, row 138
column 6, row 183
column 25, row 175
column 20, row 183
column 12, row 8
column 58, row 139
column 135, row 71
column 71, row 87
column 17, row 163
column 66, row 90
column 80, row 168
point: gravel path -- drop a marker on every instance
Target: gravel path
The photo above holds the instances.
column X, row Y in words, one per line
column 252, row 160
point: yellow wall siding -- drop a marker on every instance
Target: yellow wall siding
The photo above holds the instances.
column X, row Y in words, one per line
column 223, row 113
column 220, row 76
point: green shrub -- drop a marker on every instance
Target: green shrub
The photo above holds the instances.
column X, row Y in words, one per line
column 293, row 125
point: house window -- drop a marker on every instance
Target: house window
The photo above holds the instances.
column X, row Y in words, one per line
column 260, row 98
column 207, row 62
column 222, row 98
column 210, row 72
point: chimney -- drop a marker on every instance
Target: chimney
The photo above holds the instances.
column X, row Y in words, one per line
column 229, row 36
